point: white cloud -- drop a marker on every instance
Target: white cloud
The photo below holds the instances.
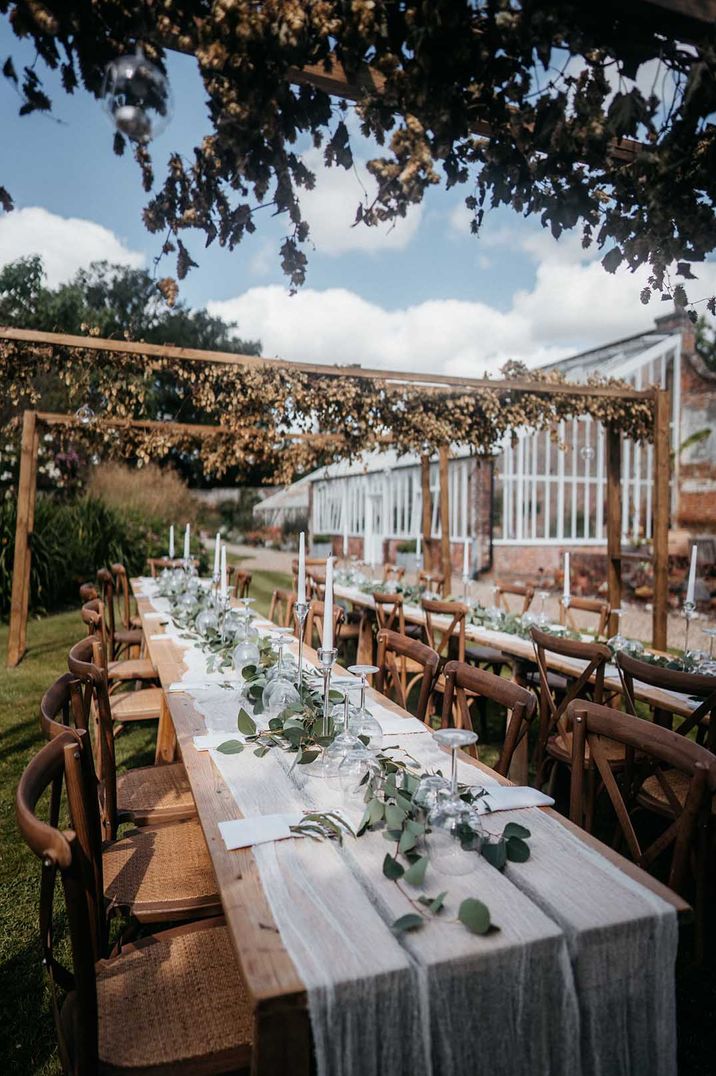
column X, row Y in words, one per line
column 65, row 244
column 574, row 304
column 330, row 209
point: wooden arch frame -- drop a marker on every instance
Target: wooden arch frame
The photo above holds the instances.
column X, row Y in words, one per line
column 436, row 382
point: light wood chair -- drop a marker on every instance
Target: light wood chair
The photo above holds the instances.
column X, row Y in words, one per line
column 172, row 1004
column 157, row 874
column 158, row 564
column 598, row 607
column 281, row 608
column 504, row 590
column 435, row 580
column 126, row 671
column 313, row 628
column 145, row 795
column 402, row 664
column 554, row 741
column 650, row 754
column 393, row 573
column 447, row 640
column 129, row 618
column 464, row 682
column 242, row 580
column 120, row 640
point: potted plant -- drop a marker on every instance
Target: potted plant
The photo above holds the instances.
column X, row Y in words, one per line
column 321, row 546
column 405, row 553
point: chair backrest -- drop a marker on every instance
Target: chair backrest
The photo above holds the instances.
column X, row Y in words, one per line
column 598, row 606
column 94, row 617
column 694, row 685
column 313, row 628
column 440, row 637
column 389, row 611
column 74, row 854
column 398, row 656
column 435, row 580
column 393, row 573
column 649, row 751
column 243, row 580
column 121, row 589
column 552, row 709
column 158, row 564
column 520, row 704
column 88, row 592
column 524, row 591
column 316, row 581
column 108, row 595
column 281, row 608
column 87, row 665
column 311, row 563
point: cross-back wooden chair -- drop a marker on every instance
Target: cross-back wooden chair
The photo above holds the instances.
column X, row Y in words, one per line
column 159, row 873
column 554, row 741
column 389, row 612
column 504, row 590
column 242, row 580
column 130, row 619
column 316, row 582
column 435, row 580
column 158, row 564
column 120, row 640
column 311, row 563
column 649, row 752
column 463, row 682
column 702, row 689
column 145, row 795
column 125, row 671
column 88, row 592
column 281, row 608
column 393, row 573
column 403, row 663
column 596, row 606
column 313, row 628
column 155, row 985
column 447, row 639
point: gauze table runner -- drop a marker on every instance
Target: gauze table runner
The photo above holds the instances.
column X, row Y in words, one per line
column 578, row 979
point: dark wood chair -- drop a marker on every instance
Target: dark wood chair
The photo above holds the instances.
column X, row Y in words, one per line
column 313, row 628
column 281, row 608
column 130, row 618
column 390, row 614
column 241, row 579
column 554, row 741
column 156, row 874
column 120, row 640
column 402, row 664
column 597, row 607
column 702, row 689
column 464, row 682
column 650, row 752
column 158, row 564
column 88, row 593
column 131, row 670
column 435, row 580
column 524, row 591
column 145, row 795
column 393, row 573
column 447, row 640
column 173, row 1003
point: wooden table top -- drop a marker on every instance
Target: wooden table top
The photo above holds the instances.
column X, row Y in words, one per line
column 277, row 993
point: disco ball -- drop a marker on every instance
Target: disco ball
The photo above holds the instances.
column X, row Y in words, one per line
column 85, row 415
column 587, row 452
column 137, row 97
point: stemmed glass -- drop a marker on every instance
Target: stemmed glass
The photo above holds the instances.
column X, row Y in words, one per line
column 280, row 692
column 428, row 592
column 542, row 616
column 618, row 642
column 689, row 614
column 494, row 612
column 711, row 634
column 361, row 721
column 452, row 821
column 246, row 652
column 346, row 760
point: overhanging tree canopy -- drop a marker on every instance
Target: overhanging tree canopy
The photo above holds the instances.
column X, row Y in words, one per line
column 544, row 105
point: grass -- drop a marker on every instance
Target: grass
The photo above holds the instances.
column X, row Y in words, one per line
column 27, row 1040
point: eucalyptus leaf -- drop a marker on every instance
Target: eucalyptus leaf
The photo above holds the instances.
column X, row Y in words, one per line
column 495, row 854
column 376, row 810
column 411, row 921
column 407, row 841
column 261, row 751
column 415, row 874
column 518, row 851
column 394, row 816
column 392, row 868
column 308, row 756
column 231, row 747
column 248, row 672
column 514, row 829
column 246, row 723
column 474, row 915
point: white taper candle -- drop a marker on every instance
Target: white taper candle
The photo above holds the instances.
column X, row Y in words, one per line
column 301, row 584
column 187, row 542
column 567, row 592
column 217, row 555
column 224, row 582
column 466, row 559
column 171, row 542
column 691, row 588
column 328, row 607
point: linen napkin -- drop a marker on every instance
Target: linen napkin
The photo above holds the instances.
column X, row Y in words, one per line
column 209, row 741
column 155, row 615
column 259, row 829
column 511, row 798
column 393, row 724
column 174, row 636
column 202, row 685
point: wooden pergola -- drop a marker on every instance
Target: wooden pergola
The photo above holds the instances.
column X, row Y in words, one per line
column 33, row 421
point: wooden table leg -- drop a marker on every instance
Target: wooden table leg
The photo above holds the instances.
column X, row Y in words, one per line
column 166, row 737
column 364, row 654
column 519, row 767
column 282, row 1041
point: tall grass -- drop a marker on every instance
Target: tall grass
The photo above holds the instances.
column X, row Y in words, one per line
column 157, row 495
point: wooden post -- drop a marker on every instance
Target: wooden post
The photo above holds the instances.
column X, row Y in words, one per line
column 614, row 522
column 20, row 599
column 662, row 471
column 444, row 458
column 427, row 521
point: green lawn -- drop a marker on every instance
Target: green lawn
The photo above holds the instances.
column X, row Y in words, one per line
column 27, row 1043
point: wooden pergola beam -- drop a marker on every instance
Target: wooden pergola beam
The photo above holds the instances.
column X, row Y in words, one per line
column 51, row 418
column 227, row 358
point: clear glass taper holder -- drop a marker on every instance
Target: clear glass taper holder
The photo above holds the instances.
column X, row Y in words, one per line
column 326, row 661
column 689, row 610
column 711, row 635
column 300, row 612
column 467, row 600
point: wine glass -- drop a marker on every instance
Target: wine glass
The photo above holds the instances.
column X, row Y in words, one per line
column 710, row 633
column 284, row 668
column 618, row 641
column 343, row 743
column 206, row 621
column 542, row 615
column 432, row 785
column 454, row 827
column 361, row 721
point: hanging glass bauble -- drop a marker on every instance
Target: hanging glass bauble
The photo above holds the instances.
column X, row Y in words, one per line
column 85, row 415
column 137, row 97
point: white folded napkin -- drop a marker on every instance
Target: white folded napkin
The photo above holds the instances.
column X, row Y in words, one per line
column 154, row 615
column 202, row 685
column 511, row 798
column 393, row 724
column 259, row 829
column 174, row 636
column 209, row 741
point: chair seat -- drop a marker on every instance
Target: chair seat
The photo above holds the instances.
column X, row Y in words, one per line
column 173, row 1003
column 137, row 705
column 653, row 796
column 155, row 794
column 135, row 621
column 560, row 747
column 132, row 669
column 162, row 873
column 414, row 631
column 555, row 681
column 484, row 655
column 128, row 636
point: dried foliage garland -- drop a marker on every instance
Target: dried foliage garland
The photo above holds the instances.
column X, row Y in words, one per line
column 554, row 84
column 259, row 407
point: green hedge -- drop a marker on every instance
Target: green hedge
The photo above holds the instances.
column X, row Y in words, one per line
column 71, row 540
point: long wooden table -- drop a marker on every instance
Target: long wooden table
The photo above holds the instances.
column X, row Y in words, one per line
column 282, row 1038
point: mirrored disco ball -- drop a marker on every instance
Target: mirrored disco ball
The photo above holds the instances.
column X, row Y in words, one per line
column 85, row 415
column 137, row 97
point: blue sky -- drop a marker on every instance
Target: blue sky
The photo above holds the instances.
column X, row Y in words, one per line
column 427, row 295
